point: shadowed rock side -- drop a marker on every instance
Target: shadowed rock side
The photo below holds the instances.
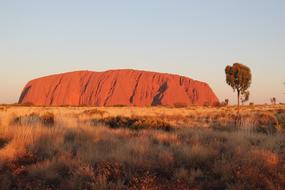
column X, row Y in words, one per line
column 117, row 87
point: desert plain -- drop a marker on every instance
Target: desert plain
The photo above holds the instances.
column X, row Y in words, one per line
column 195, row 147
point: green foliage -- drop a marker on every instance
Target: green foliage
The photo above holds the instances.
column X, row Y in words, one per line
column 3, row 142
column 238, row 77
column 245, row 97
column 273, row 100
column 280, row 115
column 95, row 112
column 180, row 105
column 206, row 104
column 135, row 123
column 227, row 101
column 47, row 119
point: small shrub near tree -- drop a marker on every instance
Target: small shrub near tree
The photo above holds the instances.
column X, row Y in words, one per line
column 273, row 101
column 226, row 102
column 245, row 97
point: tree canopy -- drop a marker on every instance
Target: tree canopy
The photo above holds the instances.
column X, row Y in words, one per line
column 238, row 77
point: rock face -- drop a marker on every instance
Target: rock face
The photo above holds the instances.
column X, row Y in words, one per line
column 117, row 87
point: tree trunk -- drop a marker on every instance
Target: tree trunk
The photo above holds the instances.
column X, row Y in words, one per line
column 238, row 118
column 238, row 102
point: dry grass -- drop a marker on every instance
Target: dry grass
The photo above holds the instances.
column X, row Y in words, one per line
column 97, row 148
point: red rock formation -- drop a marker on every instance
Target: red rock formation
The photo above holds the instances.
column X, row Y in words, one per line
column 117, row 87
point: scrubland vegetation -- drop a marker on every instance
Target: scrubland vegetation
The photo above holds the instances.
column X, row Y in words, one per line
column 142, row 148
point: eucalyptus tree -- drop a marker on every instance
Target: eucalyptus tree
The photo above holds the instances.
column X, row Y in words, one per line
column 238, row 76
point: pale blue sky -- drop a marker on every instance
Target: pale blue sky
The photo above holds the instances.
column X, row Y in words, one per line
column 195, row 38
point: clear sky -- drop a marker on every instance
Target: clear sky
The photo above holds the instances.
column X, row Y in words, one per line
column 195, row 38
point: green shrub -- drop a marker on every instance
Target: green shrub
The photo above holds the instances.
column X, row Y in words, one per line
column 43, row 149
column 266, row 123
column 180, row 105
column 30, row 119
column 280, row 115
column 3, row 142
column 206, row 104
column 135, row 123
column 95, row 112
column 46, row 119
column 49, row 173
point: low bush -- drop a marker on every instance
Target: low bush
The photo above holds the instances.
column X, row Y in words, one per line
column 266, row 123
column 46, row 119
column 280, row 115
column 119, row 105
column 3, row 142
column 135, row 123
column 28, row 104
column 180, row 105
column 30, row 119
column 95, row 112
column 44, row 148
column 206, row 104
column 49, row 174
